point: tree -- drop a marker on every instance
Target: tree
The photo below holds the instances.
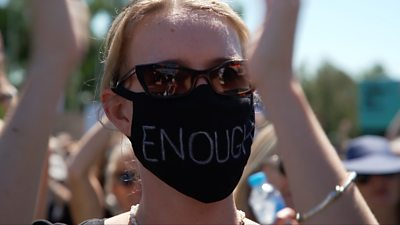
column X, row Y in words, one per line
column 333, row 96
column 376, row 72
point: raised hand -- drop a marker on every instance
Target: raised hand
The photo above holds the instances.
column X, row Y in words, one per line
column 311, row 162
column 60, row 30
column 60, row 37
column 272, row 51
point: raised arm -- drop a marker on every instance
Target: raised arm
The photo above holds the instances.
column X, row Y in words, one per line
column 87, row 199
column 313, row 167
column 59, row 41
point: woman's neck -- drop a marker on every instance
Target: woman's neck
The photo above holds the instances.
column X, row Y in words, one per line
column 178, row 212
column 161, row 204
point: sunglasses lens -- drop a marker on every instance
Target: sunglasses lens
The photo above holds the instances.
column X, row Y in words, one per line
column 172, row 81
column 230, row 79
column 163, row 81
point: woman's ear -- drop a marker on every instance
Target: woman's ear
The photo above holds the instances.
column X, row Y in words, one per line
column 118, row 110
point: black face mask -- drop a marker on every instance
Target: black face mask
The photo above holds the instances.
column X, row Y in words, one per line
column 198, row 144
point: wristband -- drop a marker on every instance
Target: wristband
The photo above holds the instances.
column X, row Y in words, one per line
column 331, row 197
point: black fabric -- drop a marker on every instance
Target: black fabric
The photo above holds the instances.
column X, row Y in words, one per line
column 93, row 222
column 197, row 144
column 46, row 222
column 86, row 222
column 58, row 211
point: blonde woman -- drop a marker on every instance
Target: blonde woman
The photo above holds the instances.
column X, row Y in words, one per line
column 176, row 84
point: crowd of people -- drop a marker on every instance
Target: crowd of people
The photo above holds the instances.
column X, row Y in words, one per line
column 180, row 135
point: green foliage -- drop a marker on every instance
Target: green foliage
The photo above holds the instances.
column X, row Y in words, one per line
column 83, row 87
column 376, row 72
column 16, row 34
column 2, row 112
column 333, row 96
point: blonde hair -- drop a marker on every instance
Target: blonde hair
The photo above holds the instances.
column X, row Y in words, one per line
column 263, row 148
column 137, row 10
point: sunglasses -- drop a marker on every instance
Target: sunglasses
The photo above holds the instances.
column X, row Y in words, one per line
column 126, row 178
column 164, row 80
column 365, row 178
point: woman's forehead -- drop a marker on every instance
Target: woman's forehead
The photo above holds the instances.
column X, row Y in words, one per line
column 180, row 36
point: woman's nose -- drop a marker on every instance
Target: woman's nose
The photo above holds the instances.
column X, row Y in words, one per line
column 201, row 81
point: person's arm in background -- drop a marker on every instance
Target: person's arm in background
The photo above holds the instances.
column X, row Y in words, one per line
column 87, row 194
column 312, row 164
column 60, row 38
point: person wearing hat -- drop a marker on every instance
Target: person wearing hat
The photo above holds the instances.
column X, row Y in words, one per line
column 378, row 178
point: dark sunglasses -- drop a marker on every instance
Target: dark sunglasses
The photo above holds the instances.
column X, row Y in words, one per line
column 165, row 80
column 126, row 178
column 365, row 178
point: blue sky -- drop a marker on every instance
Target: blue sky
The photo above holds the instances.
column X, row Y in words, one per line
column 3, row 3
column 352, row 34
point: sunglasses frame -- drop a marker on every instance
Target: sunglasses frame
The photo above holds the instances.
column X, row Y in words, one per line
column 195, row 75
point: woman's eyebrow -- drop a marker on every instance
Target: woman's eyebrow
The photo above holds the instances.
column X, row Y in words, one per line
column 209, row 63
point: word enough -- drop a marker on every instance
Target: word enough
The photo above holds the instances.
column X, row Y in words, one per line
column 200, row 146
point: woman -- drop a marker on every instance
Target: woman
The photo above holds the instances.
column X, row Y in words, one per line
column 378, row 178
column 176, row 84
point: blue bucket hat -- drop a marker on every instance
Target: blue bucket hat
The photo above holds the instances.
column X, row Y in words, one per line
column 371, row 155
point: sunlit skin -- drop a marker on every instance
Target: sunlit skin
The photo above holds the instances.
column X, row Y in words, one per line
column 151, row 42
